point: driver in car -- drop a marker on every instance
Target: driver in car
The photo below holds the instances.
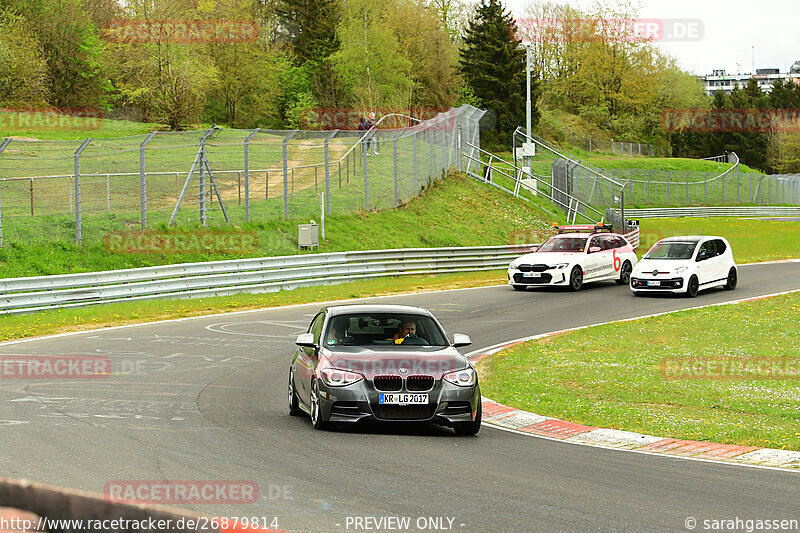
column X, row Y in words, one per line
column 407, row 328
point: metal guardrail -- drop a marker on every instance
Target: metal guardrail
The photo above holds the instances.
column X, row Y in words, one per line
column 741, row 211
column 222, row 278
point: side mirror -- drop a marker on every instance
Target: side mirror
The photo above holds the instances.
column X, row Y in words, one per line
column 306, row 340
column 594, row 249
column 460, row 340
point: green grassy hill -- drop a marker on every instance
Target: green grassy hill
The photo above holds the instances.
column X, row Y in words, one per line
column 456, row 211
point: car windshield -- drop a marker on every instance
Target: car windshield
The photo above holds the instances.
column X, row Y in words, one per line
column 390, row 329
column 563, row 244
column 672, row 250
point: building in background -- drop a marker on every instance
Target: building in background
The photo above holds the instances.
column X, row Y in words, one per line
column 719, row 80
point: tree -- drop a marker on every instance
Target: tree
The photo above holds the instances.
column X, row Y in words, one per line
column 23, row 70
column 71, row 46
column 425, row 43
column 166, row 81
column 493, row 64
column 310, row 26
column 369, row 63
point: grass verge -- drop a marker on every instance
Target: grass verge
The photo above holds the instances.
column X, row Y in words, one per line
column 614, row 375
column 117, row 314
column 456, row 211
column 753, row 241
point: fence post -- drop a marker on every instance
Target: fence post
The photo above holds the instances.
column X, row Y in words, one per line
column 3, row 146
column 108, row 192
column 328, row 173
column 723, row 190
column 705, row 191
column 31, row 196
column 286, row 173
column 460, row 150
column 396, row 187
column 247, row 173
column 414, row 157
column 143, row 179
column 649, row 183
column 366, row 177
column 77, row 156
column 669, row 176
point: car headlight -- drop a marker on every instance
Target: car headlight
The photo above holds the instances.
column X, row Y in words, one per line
column 514, row 265
column 681, row 270
column 333, row 377
column 463, row 378
column 559, row 266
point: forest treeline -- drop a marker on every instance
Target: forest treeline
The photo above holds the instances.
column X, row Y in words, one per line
column 405, row 55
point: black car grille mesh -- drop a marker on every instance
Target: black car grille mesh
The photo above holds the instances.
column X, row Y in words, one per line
column 388, row 383
column 404, row 412
column 419, row 383
column 533, row 268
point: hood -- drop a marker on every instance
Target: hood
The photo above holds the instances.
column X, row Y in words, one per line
column 546, row 258
column 373, row 362
column 663, row 266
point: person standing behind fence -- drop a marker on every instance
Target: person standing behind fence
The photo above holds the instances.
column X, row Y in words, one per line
column 363, row 128
column 372, row 124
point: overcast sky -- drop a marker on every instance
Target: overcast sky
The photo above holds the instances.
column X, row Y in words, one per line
column 731, row 29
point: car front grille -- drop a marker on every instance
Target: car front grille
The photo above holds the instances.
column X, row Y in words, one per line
column 674, row 283
column 545, row 278
column 419, row 383
column 533, row 268
column 404, row 412
column 388, row 383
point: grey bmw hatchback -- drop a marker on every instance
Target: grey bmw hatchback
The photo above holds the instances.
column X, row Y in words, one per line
column 384, row 363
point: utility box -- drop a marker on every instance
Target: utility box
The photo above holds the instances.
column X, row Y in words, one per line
column 308, row 235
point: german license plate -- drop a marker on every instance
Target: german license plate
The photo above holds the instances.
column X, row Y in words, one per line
column 653, row 283
column 531, row 275
column 402, row 398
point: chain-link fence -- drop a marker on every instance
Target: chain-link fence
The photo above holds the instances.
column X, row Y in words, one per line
column 81, row 190
column 626, row 149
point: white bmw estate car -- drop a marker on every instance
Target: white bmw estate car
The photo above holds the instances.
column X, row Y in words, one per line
column 686, row 265
column 576, row 255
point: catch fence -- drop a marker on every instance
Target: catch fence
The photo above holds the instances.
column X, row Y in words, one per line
column 82, row 190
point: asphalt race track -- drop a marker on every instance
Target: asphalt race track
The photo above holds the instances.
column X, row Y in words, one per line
column 205, row 399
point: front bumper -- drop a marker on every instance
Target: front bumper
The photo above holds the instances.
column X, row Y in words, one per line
column 447, row 404
column 646, row 284
column 555, row 277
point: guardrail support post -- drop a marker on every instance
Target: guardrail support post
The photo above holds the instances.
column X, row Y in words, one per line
column 286, row 173
column 3, row 146
column 247, row 173
column 143, row 179
column 328, row 174
column 77, row 156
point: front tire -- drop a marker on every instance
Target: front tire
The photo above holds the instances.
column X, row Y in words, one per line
column 316, row 408
column 733, row 280
column 625, row 274
column 469, row 428
column 294, row 404
column 576, row 279
column 692, row 287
